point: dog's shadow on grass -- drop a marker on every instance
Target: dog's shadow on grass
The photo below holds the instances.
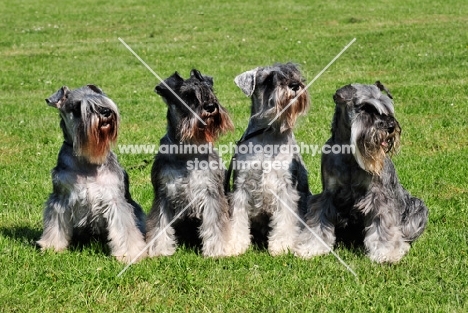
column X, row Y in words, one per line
column 25, row 235
column 28, row 236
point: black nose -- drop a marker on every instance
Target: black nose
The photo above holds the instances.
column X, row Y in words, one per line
column 294, row 86
column 209, row 107
column 105, row 111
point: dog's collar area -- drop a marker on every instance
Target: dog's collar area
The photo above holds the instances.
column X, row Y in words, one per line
column 227, row 178
column 253, row 134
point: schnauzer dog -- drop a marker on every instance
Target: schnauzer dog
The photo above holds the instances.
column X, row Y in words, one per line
column 187, row 174
column 270, row 181
column 361, row 193
column 90, row 189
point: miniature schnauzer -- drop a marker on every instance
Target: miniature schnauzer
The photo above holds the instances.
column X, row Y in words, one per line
column 270, row 181
column 187, row 176
column 90, row 189
column 361, row 192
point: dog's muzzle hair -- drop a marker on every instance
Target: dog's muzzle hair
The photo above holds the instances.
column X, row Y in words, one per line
column 196, row 92
column 98, row 128
column 276, row 88
column 292, row 96
column 375, row 132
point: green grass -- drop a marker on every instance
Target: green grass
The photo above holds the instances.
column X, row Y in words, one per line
column 419, row 49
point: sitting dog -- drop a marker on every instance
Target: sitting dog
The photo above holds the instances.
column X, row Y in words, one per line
column 187, row 174
column 270, row 181
column 361, row 192
column 90, row 189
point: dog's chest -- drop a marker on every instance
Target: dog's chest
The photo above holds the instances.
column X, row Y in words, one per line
column 266, row 175
column 91, row 195
column 184, row 187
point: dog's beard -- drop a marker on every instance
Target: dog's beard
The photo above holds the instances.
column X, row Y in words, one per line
column 96, row 136
column 282, row 98
column 372, row 144
column 192, row 129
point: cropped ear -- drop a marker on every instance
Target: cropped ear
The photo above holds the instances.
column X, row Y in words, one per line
column 173, row 82
column 196, row 73
column 96, row 89
column 246, row 81
column 383, row 88
column 58, row 98
column 344, row 94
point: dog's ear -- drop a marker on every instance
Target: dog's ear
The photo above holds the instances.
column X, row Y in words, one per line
column 383, row 88
column 344, row 94
column 246, row 81
column 173, row 82
column 196, row 73
column 58, row 98
column 96, row 89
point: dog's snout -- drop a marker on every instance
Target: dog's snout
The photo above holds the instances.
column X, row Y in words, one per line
column 105, row 112
column 209, row 107
column 294, row 86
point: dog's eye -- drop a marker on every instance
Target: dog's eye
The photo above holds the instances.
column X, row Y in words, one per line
column 369, row 108
column 76, row 110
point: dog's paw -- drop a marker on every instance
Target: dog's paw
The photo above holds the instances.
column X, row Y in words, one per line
column 57, row 246
column 311, row 249
column 161, row 251
column 279, row 247
column 389, row 254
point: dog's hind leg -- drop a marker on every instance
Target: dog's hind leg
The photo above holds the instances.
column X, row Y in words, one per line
column 383, row 240
column 414, row 218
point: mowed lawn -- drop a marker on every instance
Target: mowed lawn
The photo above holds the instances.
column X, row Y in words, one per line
column 418, row 49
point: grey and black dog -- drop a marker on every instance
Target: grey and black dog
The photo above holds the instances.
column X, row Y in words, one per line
column 90, row 189
column 361, row 192
column 270, row 181
column 187, row 174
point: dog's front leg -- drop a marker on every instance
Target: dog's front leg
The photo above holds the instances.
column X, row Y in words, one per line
column 126, row 241
column 160, row 234
column 284, row 222
column 240, row 238
column 319, row 236
column 215, row 229
column 58, row 226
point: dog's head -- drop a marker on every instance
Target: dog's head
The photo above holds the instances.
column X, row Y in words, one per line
column 368, row 116
column 194, row 113
column 278, row 94
column 89, row 120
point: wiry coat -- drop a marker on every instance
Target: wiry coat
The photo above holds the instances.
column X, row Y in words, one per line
column 185, row 187
column 270, row 185
column 361, row 195
column 90, row 189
